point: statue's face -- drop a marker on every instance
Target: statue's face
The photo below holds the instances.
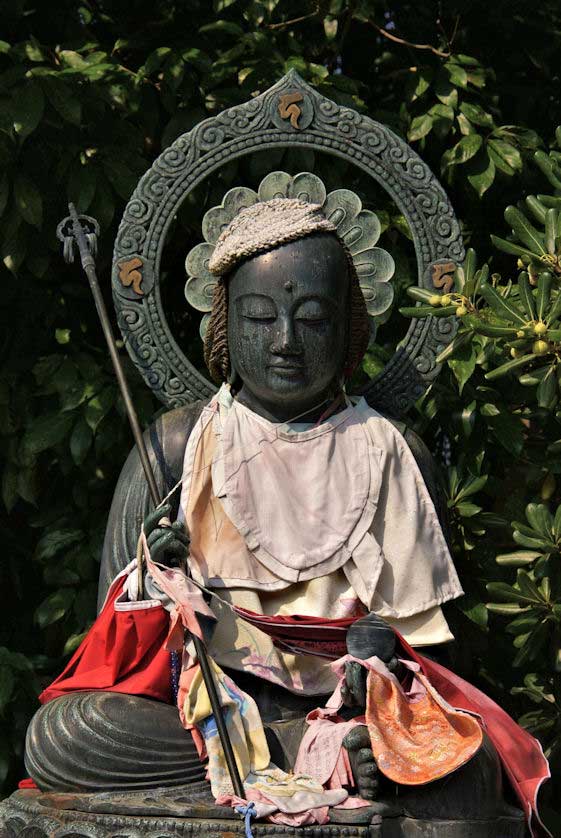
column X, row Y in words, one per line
column 287, row 323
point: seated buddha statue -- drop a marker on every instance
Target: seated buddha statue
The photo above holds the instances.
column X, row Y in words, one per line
column 294, row 499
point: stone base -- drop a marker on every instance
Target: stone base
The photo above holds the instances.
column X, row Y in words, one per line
column 190, row 811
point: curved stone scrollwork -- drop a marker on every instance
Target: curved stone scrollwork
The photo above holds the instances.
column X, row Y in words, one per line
column 289, row 114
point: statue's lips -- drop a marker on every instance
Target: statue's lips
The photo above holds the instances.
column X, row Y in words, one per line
column 287, row 369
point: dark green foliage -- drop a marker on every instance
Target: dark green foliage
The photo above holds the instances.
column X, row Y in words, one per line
column 90, row 94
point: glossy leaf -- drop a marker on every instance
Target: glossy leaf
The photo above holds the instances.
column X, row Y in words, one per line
column 505, row 156
column 525, row 231
column 54, row 607
column 420, row 127
column 464, row 150
column 481, row 173
column 28, row 200
column 525, row 294
column 518, row 558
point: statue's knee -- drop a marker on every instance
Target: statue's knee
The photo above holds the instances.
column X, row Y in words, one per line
column 473, row 791
column 102, row 740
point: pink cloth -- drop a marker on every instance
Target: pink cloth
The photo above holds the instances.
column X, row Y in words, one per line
column 187, row 598
column 265, row 809
column 321, row 749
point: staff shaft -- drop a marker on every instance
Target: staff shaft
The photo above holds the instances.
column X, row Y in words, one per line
column 88, row 265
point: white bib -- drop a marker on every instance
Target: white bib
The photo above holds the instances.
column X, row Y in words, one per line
column 300, row 499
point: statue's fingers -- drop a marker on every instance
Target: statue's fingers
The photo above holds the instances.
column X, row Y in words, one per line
column 347, row 697
column 364, row 755
column 177, row 548
column 181, row 533
column 161, row 546
column 396, row 668
column 368, row 783
column 356, row 681
column 155, row 535
column 392, row 664
column 368, row 769
column 358, row 737
column 153, row 518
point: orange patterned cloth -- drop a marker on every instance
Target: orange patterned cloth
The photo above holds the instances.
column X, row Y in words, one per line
column 417, row 737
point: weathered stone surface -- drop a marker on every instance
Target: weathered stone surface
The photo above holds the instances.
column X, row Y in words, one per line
column 188, row 812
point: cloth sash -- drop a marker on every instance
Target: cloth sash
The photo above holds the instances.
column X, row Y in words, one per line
column 303, row 635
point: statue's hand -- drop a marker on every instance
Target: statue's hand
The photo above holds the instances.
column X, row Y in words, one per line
column 353, row 691
column 363, row 764
column 369, row 636
column 167, row 544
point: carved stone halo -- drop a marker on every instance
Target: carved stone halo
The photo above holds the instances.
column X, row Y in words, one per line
column 290, row 114
column 359, row 228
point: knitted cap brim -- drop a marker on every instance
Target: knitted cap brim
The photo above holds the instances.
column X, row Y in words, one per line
column 264, row 226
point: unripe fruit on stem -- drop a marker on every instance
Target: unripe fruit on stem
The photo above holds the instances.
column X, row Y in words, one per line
column 445, row 300
column 548, row 487
column 461, row 311
column 434, row 300
column 514, row 353
column 520, row 334
column 540, row 329
column 540, row 347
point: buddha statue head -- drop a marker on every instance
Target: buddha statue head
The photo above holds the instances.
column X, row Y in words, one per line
column 289, row 321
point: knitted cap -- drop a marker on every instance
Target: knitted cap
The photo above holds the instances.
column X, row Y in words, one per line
column 263, row 226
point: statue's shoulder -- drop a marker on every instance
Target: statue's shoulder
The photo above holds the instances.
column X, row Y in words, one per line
column 413, row 440
column 169, row 433
column 423, row 457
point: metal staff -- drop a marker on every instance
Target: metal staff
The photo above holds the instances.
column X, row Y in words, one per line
column 70, row 230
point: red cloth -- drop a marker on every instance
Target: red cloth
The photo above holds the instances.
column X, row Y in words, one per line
column 27, row 783
column 123, row 652
column 303, row 635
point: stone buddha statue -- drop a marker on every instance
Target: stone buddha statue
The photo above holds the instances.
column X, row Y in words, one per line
column 295, row 499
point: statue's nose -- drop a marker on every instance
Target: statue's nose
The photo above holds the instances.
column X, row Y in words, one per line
column 285, row 341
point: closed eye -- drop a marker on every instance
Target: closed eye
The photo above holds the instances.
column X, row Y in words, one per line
column 257, row 317
column 312, row 312
column 309, row 318
column 258, row 308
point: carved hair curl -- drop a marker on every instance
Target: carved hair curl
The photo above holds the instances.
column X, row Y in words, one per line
column 216, row 351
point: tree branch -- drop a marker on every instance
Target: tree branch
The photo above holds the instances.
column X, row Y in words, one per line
column 405, row 43
column 296, row 19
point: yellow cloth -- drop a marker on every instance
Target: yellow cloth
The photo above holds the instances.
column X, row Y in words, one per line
column 290, row 793
column 242, row 720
